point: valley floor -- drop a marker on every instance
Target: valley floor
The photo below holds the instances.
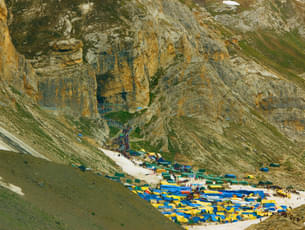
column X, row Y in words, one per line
column 130, row 167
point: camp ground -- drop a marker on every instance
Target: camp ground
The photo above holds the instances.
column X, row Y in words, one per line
column 192, row 197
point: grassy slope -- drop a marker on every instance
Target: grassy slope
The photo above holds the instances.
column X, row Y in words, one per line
column 17, row 213
column 56, row 136
column 294, row 221
column 283, row 53
column 72, row 198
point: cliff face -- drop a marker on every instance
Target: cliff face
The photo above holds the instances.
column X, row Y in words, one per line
column 220, row 88
column 15, row 70
column 65, row 83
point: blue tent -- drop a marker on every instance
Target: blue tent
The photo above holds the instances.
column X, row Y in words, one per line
column 205, row 218
column 268, row 205
column 266, row 169
column 213, row 218
column 134, row 153
column 230, row 176
column 196, row 219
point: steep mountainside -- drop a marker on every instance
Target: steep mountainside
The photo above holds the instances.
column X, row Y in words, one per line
column 216, row 86
column 62, row 197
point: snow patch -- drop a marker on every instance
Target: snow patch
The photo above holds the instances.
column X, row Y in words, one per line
column 4, row 146
column 11, row 187
column 231, row 3
column 131, row 168
column 17, row 144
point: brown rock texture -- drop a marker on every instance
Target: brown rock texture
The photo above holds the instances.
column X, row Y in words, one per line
column 15, row 70
column 66, row 84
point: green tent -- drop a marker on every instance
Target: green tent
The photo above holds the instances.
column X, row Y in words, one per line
column 187, row 174
column 198, row 175
column 167, row 177
column 219, row 182
column 275, row 165
column 137, row 181
column 209, row 182
column 117, row 174
column 244, row 182
column 175, row 171
column 234, row 182
column 201, row 170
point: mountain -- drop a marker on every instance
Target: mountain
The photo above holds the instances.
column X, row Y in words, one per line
column 204, row 83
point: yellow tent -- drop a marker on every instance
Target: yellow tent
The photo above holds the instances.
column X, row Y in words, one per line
column 175, row 197
column 161, row 171
column 193, row 211
column 151, row 154
column 164, row 182
column 282, row 193
column 144, row 188
column 215, row 186
column 182, row 219
column 268, row 201
column 221, row 209
column 210, row 191
column 157, row 205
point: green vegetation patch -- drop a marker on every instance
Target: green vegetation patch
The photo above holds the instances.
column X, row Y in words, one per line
column 30, row 123
column 120, row 116
column 284, row 53
column 17, row 213
column 113, row 131
column 85, row 125
column 137, row 133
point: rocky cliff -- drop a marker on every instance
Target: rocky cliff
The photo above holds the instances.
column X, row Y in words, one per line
column 65, row 83
column 15, row 71
column 218, row 86
column 26, row 127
